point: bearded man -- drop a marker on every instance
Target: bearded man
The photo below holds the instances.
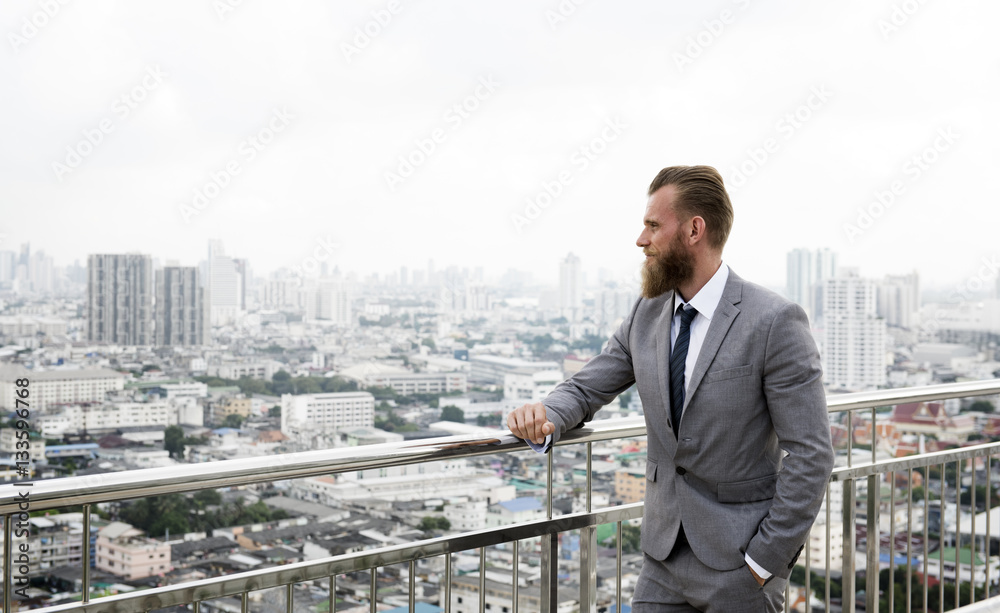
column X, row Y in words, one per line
column 739, row 450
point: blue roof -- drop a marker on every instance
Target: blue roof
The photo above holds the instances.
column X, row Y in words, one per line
column 224, row 431
column 529, row 503
column 422, row 607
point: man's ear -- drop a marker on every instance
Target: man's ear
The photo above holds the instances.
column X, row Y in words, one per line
column 698, row 230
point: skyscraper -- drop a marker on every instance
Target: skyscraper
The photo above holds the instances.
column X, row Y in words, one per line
column 806, row 271
column 225, row 283
column 570, row 288
column 899, row 300
column 854, row 348
column 120, row 299
column 180, row 308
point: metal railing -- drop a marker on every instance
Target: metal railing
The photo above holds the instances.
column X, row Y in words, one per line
column 92, row 489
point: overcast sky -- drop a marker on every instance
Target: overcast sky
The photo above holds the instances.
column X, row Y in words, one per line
column 290, row 122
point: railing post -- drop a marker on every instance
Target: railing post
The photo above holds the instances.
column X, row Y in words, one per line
column 588, row 549
column 874, row 542
column 550, row 552
column 847, row 574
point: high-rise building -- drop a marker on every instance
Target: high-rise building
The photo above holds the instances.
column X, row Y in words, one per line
column 333, row 302
column 225, row 282
column 854, row 348
column 180, row 307
column 899, row 300
column 120, row 299
column 805, row 275
column 571, row 288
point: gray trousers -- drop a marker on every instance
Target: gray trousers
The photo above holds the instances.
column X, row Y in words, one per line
column 683, row 583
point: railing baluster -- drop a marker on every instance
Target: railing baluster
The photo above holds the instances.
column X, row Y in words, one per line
column 550, row 557
column 618, row 563
column 872, row 438
column 874, row 542
column 909, row 539
column 972, row 531
column 588, row 548
column 944, row 470
column 373, row 590
column 197, row 606
column 245, row 603
column 86, row 553
column 447, row 585
column 847, row 574
column 927, row 533
column 988, row 537
column 829, row 548
column 333, row 594
column 482, row 579
column 514, row 599
column 8, row 562
column 958, row 527
column 892, row 542
column 413, row 586
column 290, row 598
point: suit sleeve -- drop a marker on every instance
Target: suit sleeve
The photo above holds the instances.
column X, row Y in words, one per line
column 577, row 399
column 793, row 390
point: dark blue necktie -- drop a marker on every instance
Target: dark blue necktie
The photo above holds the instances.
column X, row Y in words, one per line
column 678, row 358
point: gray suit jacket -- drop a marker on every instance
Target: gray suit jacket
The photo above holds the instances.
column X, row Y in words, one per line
column 756, row 389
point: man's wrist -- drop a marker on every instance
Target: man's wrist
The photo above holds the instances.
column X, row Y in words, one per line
column 760, row 573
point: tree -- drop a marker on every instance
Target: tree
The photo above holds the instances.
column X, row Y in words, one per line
column 173, row 441
column 274, row 411
column 453, row 413
column 984, row 406
column 430, row 343
column 434, row 523
column 233, row 420
column 630, row 538
column 492, row 419
column 281, row 376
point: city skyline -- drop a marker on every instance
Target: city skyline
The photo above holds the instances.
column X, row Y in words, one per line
column 404, row 135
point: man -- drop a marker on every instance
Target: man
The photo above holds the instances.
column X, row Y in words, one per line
column 739, row 450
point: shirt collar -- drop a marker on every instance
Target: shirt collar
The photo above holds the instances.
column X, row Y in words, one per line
column 708, row 297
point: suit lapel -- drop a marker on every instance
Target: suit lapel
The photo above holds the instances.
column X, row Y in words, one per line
column 722, row 319
column 663, row 360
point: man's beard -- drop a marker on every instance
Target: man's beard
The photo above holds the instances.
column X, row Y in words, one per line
column 667, row 271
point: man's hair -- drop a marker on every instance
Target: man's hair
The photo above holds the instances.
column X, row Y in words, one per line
column 699, row 191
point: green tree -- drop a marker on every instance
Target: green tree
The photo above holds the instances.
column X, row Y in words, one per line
column 631, row 536
column 173, row 441
column 233, row 420
column 429, row 342
column 280, row 376
column 492, row 419
column 984, row 406
column 453, row 413
column 434, row 523
column 274, row 411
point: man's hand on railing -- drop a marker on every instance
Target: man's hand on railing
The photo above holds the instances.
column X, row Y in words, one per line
column 530, row 423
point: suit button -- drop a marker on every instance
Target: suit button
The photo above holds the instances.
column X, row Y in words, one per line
column 681, row 470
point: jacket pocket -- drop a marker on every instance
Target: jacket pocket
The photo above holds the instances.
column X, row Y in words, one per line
column 752, row 490
column 729, row 373
column 650, row 470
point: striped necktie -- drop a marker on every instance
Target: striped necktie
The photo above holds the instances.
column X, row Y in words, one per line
column 678, row 359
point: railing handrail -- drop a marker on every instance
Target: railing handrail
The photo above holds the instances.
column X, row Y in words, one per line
column 108, row 487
